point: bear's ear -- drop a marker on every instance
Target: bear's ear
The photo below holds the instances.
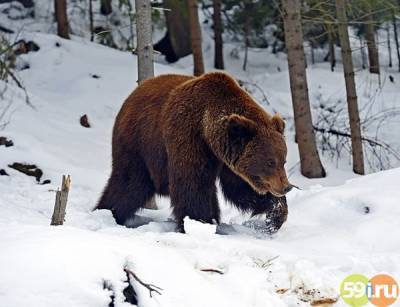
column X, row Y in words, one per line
column 278, row 123
column 240, row 127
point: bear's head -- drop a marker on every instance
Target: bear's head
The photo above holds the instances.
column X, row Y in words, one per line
column 257, row 152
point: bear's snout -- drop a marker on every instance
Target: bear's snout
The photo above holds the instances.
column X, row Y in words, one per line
column 288, row 189
column 279, row 185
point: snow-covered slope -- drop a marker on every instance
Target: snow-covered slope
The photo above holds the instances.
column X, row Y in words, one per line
column 331, row 232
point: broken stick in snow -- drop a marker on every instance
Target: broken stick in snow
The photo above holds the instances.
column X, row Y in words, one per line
column 150, row 287
column 212, row 271
column 61, row 202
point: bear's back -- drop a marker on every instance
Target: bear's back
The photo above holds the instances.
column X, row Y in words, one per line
column 140, row 114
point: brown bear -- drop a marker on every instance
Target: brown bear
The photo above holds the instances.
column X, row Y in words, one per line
column 175, row 135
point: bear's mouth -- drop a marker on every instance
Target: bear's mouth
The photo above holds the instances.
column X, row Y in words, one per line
column 258, row 184
column 276, row 194
column 262, row 187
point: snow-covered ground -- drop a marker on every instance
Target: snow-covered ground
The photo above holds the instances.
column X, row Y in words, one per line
column 337, row 226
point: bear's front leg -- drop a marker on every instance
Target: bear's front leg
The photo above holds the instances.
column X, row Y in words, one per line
column 240, row 194
column 277, row 215
column 193, row 193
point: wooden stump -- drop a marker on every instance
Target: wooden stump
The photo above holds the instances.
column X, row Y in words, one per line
column 61, row 202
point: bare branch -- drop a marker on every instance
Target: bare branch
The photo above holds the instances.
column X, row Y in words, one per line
column 152, row 288
column 212, row 271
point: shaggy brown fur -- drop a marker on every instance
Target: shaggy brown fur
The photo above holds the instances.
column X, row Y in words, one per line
column 175, row 135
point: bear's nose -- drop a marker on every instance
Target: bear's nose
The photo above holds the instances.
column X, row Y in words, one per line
column 287, row 189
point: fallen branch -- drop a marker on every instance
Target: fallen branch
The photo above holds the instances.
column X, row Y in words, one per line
column 328, row 301
column 6, row 30
column 27, row 169
column 370, row 141
column 265, row 264
column 152, row 288
column 212, row 271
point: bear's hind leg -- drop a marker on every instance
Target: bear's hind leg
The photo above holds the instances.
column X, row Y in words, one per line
column 127, row 191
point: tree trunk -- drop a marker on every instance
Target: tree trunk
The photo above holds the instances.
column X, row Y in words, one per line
column 176, row 42
column 310, row 162
column 354, row 117
column 363, row 57
column 396, row 38
column 246, row 41
column 332, row 56
column 389, row 45
column 60, row 9
column 312, row 52
column 219, row 54
column 144, row 47
column 195, row 37
column 131, row 41
column 91, row 20
column 373, row 55
column 105, row 7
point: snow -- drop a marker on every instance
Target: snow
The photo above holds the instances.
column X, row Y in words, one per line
column 337, row 226
column 197, row 229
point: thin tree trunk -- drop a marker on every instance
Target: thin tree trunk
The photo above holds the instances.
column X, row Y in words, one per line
column 246, row 41
column 396, row 38
column 389, row 45
column 363, row 59
column 144, row 40
column 312, row 52
column 332, row 56
column 195, row 37
column 373, row 55
column 219, row 54
column 91, row 20
column 60, row 9
column 310, row 162
column 131, row 41
column 105, row 7
column 354, row 117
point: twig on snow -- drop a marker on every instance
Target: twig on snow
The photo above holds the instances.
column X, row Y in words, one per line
column 152, row 288
column 212, row 271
